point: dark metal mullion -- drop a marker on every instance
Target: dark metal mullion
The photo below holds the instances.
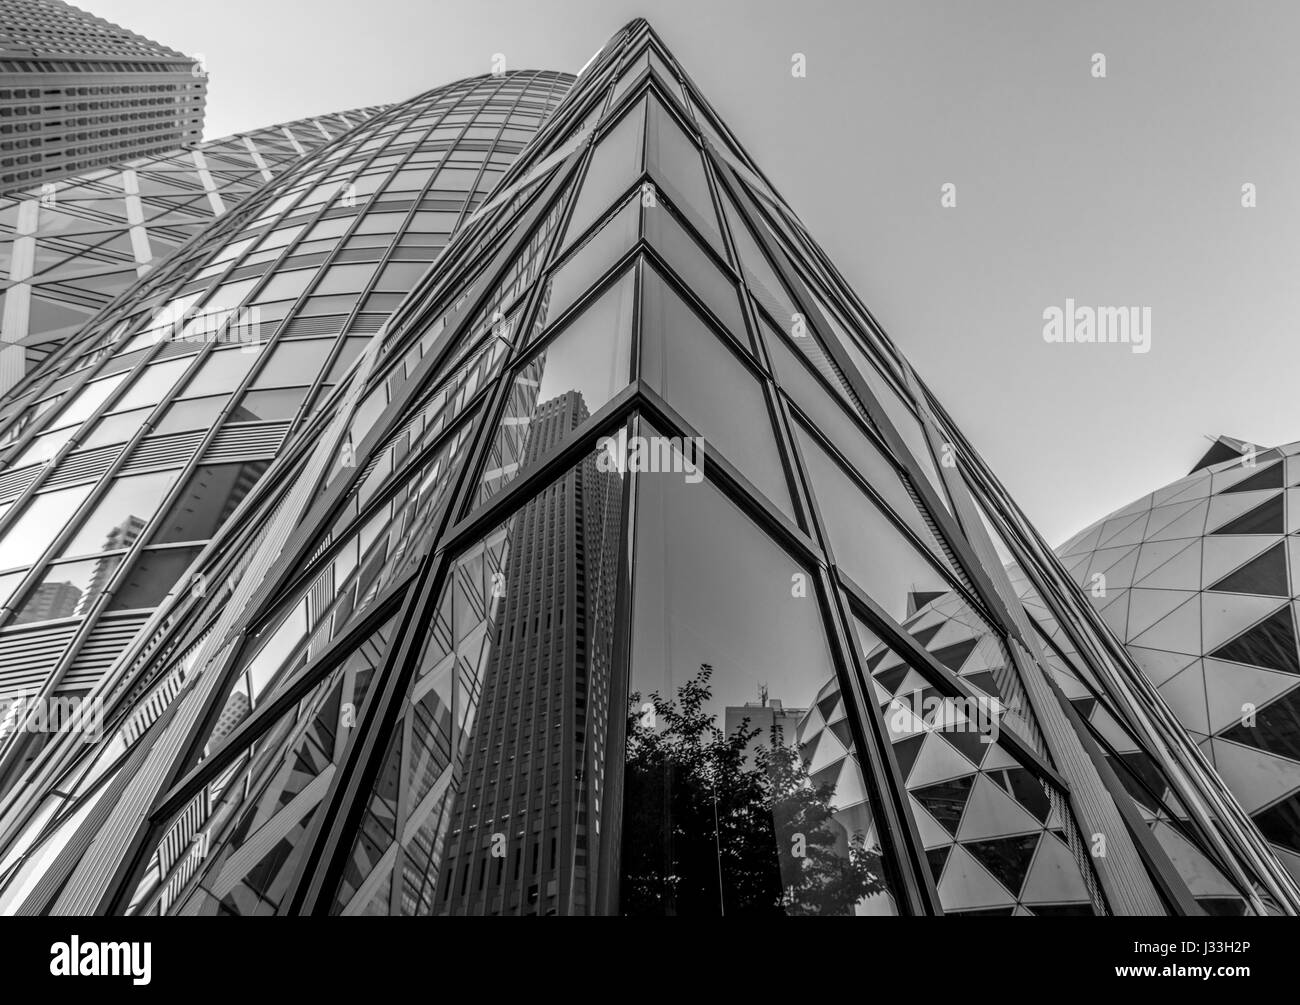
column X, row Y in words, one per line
column 937, row 512
column 867, row 489
column 1169, row 884
column 900, row 832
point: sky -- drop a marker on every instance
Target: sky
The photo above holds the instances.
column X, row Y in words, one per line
column 1122, row 190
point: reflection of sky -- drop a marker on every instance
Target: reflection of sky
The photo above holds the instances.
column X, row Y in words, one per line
column 592, row 355
column 711, row 588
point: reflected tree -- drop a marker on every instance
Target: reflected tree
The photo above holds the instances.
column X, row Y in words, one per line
column 726, row 824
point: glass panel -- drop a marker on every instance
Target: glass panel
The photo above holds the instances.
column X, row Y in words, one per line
column 286, row 286
column 594, row 258
column 67, row 590
column 344, row 279
column 45, row 516
column 562, row 385
column 118, row 517
column 615, row 163
column 115, row 428
column 674, row 161
column 759, row 275
column 207, row 500
column 222, row 372
column 492, row 802
column 152, row 577
column 732, row 767
column 198, row 413
column 715, row 393
column 870, row 549
column 269, row 406
column 43, row 448
column 695, row 269
column 291, row 363
column 152, row 385
column 87, row 400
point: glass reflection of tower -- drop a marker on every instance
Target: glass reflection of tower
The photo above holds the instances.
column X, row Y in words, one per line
column 530, row 791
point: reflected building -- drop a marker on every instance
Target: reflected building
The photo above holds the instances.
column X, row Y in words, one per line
column 532, row 754
column 629, row 452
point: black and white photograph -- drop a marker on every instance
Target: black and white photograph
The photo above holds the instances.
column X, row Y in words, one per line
column 714, row 459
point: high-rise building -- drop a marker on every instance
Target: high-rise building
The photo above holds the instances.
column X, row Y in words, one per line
column 78, row 92
column 68, row 248
column 631, row 451
column 170, row 403
column 1198, row 580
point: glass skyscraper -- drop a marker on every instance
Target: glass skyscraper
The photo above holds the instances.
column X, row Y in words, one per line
column 68, row 248
column 131, row 445
column 483, row 634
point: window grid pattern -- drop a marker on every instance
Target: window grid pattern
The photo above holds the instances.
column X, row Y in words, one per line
column 223, row 351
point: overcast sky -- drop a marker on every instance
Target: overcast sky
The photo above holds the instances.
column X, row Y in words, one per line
column 1117, row 191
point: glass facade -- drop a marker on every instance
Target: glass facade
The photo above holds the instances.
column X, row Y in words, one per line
column 629, row 570
column 129, row 448
column 68, row 248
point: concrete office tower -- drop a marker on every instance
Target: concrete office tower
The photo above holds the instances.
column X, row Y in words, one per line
column 78, row 92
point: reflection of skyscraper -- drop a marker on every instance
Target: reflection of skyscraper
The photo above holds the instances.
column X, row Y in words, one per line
column 122, row 536
column 235, row 712
column 534, row 749
column 54, row 600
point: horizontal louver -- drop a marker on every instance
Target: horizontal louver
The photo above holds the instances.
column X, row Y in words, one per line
column 329, row 325
column 246, row 442
column 368, row 323
column 13, row 482
column 28, row 656
column 106, row 643
column 84, row 465
column 163, row 451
